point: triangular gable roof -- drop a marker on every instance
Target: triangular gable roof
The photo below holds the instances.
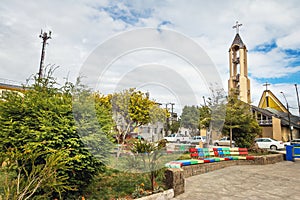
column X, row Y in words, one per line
column 273, row 102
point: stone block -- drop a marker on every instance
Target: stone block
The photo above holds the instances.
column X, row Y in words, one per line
column 179, row 189
column 175, row 180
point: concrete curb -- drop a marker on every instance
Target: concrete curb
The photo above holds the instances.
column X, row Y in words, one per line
column 165, row 195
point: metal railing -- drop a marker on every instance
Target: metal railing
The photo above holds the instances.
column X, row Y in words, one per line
column 265, row 122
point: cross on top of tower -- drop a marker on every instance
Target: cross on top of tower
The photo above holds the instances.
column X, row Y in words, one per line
column 236, row 26
column 266, row 84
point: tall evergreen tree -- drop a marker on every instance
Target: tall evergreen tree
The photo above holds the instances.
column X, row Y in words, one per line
column 240, row 119
column 42, row 120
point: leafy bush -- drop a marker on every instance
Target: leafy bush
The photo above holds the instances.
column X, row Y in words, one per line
column 114, row 184
column 42, row 120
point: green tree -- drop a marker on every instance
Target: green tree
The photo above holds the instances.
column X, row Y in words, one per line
column 212, row 115
column 158, row 114
column 132, row 109
column 104, row 115
column 43, row 118
column 94, row 121
column 22, row 180
column 174, row 126
column 205, row 116
column 190, row 118
column 158, row 117
column 150, row 153
column 241, row 121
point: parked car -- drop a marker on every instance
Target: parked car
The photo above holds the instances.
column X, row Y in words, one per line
column 292, row 142
column 225, row 141
column 196, row 139
column 269, row 143
column 176, row 137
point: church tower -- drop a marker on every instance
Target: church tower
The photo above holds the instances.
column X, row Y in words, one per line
column 238, row 82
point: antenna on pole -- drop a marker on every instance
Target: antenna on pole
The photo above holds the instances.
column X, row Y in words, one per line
column 45, row 36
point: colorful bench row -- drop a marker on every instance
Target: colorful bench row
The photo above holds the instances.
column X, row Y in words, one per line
column 205, row 155
column 218, row 152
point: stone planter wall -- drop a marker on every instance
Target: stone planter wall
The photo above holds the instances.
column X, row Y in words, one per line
column 175, row 177
column 175, row 180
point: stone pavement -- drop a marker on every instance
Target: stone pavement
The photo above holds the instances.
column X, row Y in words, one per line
column 273, row 181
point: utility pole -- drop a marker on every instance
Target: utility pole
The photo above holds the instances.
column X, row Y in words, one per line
column 169, row 118
column 45, row 36
column 167, row 124
column 289, row 116
column 297, row 98
column 172, row 109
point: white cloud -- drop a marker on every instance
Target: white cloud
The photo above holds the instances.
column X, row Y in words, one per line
column 290, row 41
column 270, row 65
column 79, row 27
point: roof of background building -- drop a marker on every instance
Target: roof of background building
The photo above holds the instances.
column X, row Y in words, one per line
column 280, row 115
column 11, row 87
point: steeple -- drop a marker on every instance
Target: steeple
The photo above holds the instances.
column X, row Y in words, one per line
column 238, row 41
column 238, row 82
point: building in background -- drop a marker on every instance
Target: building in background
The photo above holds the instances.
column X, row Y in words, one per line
column 273, row 117
column 7, row 86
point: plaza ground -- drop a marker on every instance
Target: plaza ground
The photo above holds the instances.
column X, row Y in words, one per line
column 273, row 181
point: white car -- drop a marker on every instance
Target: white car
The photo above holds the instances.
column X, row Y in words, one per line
column 225, row 141
column 178, row 138
column 196, row 139
column 269, row 143
column 292, row 142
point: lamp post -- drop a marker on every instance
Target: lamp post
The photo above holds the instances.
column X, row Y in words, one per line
column 289, row 116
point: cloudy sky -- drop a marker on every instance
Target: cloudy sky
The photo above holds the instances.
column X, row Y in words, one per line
column 80, row 28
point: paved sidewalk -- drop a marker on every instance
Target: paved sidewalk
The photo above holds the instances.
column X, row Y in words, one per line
column 274, row 181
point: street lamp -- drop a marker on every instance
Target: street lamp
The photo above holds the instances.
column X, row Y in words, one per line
column 289, row 116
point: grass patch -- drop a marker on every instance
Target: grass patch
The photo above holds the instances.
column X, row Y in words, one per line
column 114, row 184
column 184, row 156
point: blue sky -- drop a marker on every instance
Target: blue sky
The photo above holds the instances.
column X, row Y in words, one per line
column 129, row 16
column 271, row 36
column 291, row 55
column 265, row 47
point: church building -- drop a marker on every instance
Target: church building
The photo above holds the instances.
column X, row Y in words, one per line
column 273, row 117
